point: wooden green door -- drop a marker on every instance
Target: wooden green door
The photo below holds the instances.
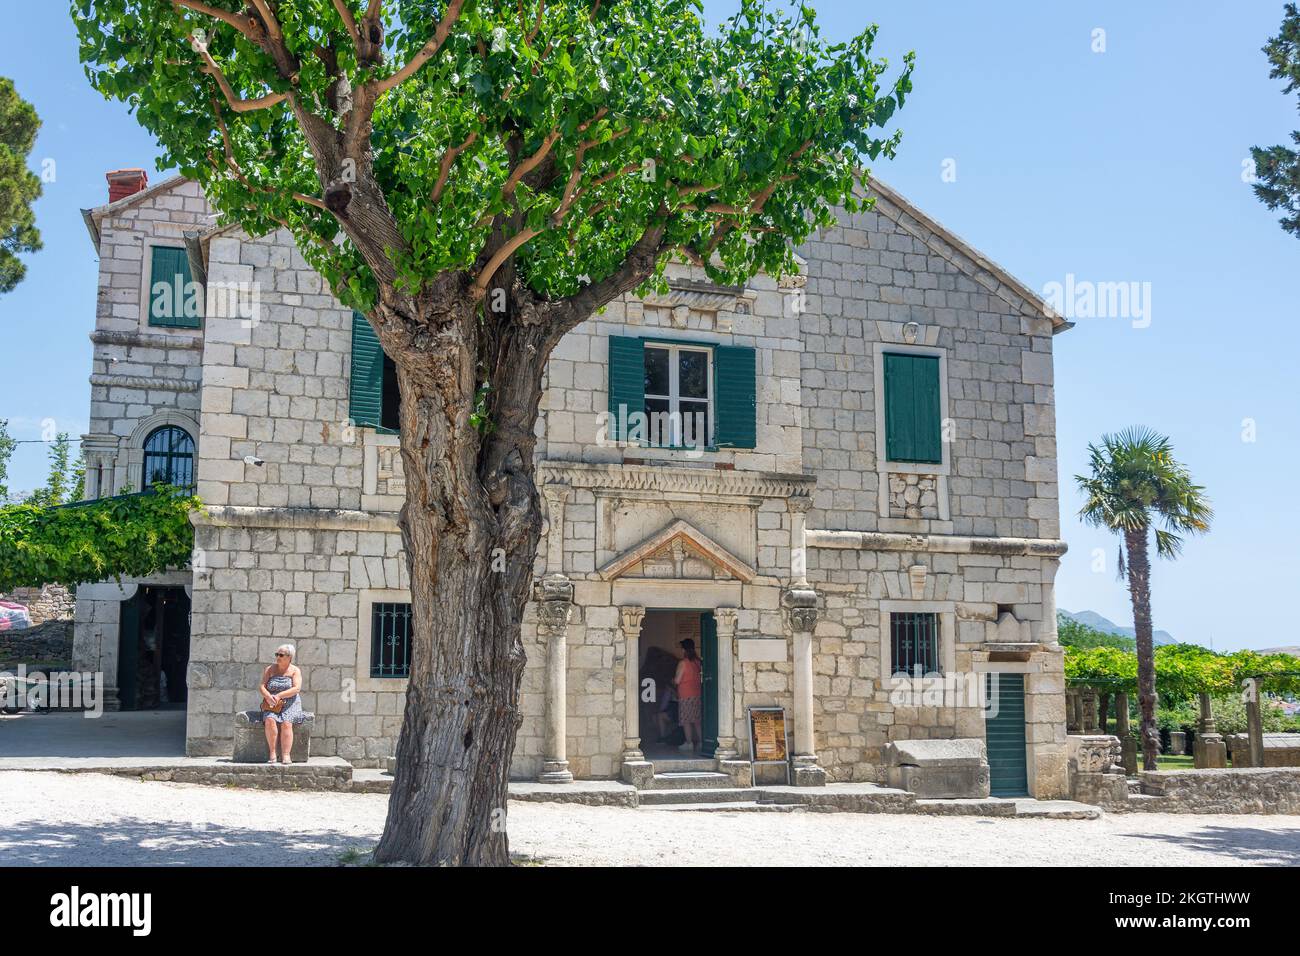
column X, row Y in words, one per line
column 709, row 694
column 1005, row 729
column 128, row 651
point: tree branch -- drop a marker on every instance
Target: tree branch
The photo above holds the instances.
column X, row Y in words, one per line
column 245, row 25
column 236, row 104
column 349, row 23
column 479, row 289
column 449, row 157
column 426, row 52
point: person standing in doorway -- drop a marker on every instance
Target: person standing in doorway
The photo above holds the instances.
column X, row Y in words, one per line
column 689, row 686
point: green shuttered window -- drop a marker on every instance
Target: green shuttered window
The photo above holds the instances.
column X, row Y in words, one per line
column 913, row 420
column 652, row 380
column 735, row 370
column 174, row 301
column 626, row 384
column 372, row 396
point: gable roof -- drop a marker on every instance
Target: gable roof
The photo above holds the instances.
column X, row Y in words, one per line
column 968, row 260
column 96, row 214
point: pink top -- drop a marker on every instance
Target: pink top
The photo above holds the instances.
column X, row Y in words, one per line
column 688, row 679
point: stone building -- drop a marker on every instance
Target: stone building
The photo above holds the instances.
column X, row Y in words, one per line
column 842, row 487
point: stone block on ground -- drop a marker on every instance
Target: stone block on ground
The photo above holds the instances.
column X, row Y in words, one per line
column 250, row 738
column 939, row 769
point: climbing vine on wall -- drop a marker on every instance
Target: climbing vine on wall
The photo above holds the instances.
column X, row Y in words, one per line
column 128, row 535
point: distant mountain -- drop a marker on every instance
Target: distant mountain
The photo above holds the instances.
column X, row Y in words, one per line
column 1098, row 623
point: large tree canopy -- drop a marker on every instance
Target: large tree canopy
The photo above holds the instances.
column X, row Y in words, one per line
column 478, row 177
column 19, row 186
column 568, row 131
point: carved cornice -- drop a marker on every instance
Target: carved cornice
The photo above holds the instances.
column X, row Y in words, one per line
column 147, row 340
column 702, row 296
column 303, row 519
column 940, row 543
column 144, row 383
column 671, row 480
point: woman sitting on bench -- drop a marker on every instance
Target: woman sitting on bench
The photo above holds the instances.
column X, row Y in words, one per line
column 281, row 705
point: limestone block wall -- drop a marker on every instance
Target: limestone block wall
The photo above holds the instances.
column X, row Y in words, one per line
column 276, row 387
column 141, row 375
column 577, row 377
column 868, row 278
column 860, row 708
column 306, row 584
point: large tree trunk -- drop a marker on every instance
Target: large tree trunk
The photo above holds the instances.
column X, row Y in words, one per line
column 470, row 527
column 1139, row 588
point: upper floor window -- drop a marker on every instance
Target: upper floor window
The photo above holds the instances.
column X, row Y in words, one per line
column 679, row 395
column 175, row 299
column 682, row 394
column 168, row 458
column 374, row 399
column 913, row 418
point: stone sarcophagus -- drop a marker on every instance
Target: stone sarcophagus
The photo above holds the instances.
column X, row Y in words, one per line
column 939, row 769
column 250, row 738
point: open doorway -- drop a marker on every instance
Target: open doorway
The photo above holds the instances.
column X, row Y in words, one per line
column 154, row 649
column 663, row 730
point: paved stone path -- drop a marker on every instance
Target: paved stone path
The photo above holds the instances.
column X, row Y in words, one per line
column 99, row 820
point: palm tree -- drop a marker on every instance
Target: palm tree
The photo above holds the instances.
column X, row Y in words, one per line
column 1135, row 484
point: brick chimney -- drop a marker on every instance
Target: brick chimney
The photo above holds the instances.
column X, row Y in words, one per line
column 125, row 182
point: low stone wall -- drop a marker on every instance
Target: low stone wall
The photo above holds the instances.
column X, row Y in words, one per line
column 53, row 602
column 47, row 645
column 1263, row 790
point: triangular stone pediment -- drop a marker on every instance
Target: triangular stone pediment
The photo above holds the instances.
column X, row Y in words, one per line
column 679, row 552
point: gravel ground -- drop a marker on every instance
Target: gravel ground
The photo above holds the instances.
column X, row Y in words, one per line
column 99, row 820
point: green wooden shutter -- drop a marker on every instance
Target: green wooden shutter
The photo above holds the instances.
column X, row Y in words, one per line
column 735, row 396
column 1005, row 736
column 169, row 310
column 365, row 397
column 913, row 419
column 626, row 383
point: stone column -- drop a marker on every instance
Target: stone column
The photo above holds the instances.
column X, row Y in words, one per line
column 1088, row 703
column 1127, row 742
column 726, row 620
column 635, row 765
column 801, row 605
column 1208, row 749
column 555, row 605
column 798, row 507
column 1254, row 721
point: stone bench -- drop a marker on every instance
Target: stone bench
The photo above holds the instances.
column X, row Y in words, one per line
column 939, row 769
column 250, row 738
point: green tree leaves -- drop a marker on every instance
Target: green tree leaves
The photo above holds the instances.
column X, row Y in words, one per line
column 568, row 126
column 1278, row 167
column 19, row 186
column 126, row 536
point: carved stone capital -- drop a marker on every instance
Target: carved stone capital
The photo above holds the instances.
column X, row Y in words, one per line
column 631, row 616
column 555, row 602
column 799, row 504
column 801, row 604
column 727, row 620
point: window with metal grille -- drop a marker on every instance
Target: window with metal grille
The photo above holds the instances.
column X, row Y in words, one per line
column 914, row 641
column 390, row 640
column 168, row 458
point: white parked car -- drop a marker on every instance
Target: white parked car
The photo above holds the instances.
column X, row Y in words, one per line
column 14, row 617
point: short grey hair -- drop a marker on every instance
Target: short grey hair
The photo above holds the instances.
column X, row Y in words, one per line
column 288, row 649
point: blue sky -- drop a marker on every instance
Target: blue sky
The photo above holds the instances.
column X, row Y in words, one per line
column 1115, row 166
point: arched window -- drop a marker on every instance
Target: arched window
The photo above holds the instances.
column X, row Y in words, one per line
column 168, row 458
